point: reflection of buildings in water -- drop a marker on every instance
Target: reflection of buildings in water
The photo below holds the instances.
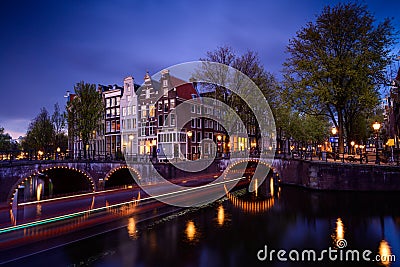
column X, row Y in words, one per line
column 385, row 253
column 221, row 215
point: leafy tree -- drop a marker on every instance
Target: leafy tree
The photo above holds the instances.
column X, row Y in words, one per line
column 5, row 140
column 249, row 64
column 58, row 120
column 84, row 112
column 336, row 63
column 40, row 134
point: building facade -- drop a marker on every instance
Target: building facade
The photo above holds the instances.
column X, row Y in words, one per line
column 112, row 123
column 128, row 112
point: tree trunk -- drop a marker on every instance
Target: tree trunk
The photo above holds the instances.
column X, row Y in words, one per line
column 341, row 130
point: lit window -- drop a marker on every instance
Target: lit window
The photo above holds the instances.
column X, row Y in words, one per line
column 133, row 110
column 172, row 103
column 144, row 112
column 152, row 111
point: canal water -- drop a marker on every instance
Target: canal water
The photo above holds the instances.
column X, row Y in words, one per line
column 243, row 229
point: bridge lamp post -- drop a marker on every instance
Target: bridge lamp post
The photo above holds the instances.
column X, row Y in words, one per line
column 58, row 152
column 189, row 135
column 219, row 148
column 376, row 127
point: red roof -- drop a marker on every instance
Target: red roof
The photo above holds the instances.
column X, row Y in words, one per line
column 184, row 89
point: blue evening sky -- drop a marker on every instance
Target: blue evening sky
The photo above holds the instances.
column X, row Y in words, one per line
column 48, row 46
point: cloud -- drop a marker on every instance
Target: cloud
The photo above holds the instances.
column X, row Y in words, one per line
column 15, row 127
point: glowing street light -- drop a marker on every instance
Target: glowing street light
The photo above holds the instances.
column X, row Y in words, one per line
column 189, row 135
column 376, row 127
column 334, row 131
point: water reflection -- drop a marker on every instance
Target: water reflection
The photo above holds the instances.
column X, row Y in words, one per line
column 339, row 231
column 39, row 191
column 38, row 210
column 256, row 187
column 131, row 227
column 221, row 215
column 251, row 206
column 271, row 187
column 191, row 231
column 385, row 253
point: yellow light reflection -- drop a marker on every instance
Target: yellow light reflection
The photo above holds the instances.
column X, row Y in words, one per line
column 271, row 186
column 39, row 191
column 38, row 210
column 190, row 231
column 385, row 252
column 131, row 228
column 339, row 229
column 251, row 206
column 13, row 218
column 256, row 187
column 221, row 215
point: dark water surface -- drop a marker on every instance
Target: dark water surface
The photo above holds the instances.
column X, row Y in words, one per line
column 232, row 231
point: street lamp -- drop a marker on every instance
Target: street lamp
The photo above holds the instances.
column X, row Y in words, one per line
column 40, row 152
column 334, row 132
column 58, row 152
column 219, row 138
column 376, row 127
column 189, row 135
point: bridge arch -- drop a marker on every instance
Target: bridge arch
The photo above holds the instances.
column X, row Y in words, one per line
column 258, row 161
column 56, row 176
column 121, row 176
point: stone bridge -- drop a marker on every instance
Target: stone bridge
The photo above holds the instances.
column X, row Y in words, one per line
column 91, row 176
column 96, row 176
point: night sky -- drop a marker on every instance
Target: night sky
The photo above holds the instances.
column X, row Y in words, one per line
column 48, row 46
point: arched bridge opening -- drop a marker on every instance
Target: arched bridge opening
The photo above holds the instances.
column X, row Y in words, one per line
column 122, row 176
column 52, row 182
column 262, row 176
